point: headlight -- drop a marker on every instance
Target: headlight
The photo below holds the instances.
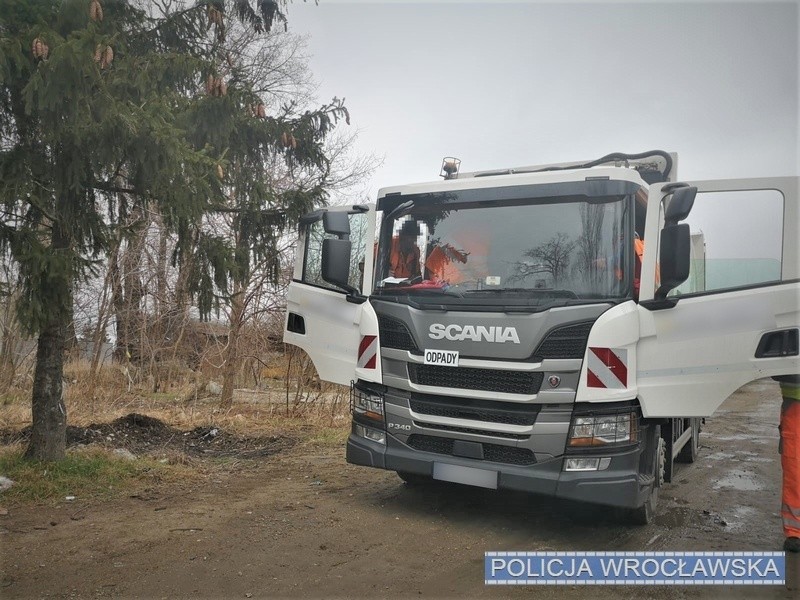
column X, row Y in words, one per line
column 599, row 430
column 366, row 405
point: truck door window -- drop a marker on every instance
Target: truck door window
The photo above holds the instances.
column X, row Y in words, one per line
column 312, row 267
column 736, row 241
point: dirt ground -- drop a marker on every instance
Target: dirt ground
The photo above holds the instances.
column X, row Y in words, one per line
column 142, row 434
column 301, row 522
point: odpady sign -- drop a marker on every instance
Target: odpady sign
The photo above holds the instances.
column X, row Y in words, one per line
column 446, row 358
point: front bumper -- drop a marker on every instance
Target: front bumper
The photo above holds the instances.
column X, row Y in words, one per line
column 619, row 485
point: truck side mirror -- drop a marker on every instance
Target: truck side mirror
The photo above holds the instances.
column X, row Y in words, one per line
column 674, row 258
column 336, row 263
column 336, row 223
column 680, row 205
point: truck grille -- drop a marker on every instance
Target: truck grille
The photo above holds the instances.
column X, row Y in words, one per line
column 471, row 431
column 491, row 452
column 395, row 334
column 489, row 411
column 565, row 342
column 489, row 380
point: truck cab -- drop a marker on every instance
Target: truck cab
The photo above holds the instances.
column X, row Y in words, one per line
column 559, row 329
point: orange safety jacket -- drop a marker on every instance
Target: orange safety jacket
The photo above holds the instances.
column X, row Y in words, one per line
column 441, row 263
column 638, row 249
column 404, row 264
column 790, row 458
column 463, row 257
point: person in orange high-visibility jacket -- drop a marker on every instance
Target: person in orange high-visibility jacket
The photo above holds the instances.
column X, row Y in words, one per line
column 462, row 258
column 789, row 448
column 638, row 250
column 404, row 257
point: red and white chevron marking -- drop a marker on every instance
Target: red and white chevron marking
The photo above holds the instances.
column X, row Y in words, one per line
column 368, row 352
column 607, row 368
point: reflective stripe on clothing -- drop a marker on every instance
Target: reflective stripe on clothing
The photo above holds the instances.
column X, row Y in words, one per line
column 790, row 391
column 791, row 526
column 795, row 512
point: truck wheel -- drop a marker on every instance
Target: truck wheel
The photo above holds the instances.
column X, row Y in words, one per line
column 414, row 479
column 688, row 453
column 645, row 513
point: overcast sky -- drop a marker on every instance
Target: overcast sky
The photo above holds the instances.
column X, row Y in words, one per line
column 520, row 83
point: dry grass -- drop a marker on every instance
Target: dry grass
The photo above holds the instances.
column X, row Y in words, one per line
column 304, row 407
column 314, row 415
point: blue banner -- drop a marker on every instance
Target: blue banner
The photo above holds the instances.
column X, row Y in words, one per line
column 635, row 568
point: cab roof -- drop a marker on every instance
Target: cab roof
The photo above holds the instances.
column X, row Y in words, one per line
column 516, row 179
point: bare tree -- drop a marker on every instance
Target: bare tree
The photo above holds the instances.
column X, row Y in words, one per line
column 590, row 242
column 553, row 257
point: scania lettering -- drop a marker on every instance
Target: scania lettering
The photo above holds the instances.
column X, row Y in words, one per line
column 479, row 333
column 559, row 329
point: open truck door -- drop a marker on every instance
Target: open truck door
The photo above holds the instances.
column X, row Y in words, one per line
column 326, row 319
column 735, row 317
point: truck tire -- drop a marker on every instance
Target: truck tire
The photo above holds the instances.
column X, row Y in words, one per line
column 644, row 514
column 414, row 479
column 688, row 453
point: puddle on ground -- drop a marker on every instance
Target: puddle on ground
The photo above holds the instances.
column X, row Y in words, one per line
column 740, row 516
column 719, row 456
column 761, row 386
column 739, row 480
column 675, row 516
column 739, row 456
column 748, row 456
column 742, row 437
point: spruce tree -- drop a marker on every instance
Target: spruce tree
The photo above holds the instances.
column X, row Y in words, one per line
column 108, row 107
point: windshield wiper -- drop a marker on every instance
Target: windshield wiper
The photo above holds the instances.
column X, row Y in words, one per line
column 498, row 290
column 445, row 291
column 537, row 292
column 410, row 290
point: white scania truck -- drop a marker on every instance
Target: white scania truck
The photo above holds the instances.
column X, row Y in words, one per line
column 559, row 329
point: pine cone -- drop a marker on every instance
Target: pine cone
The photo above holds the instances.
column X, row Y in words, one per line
column 222, row 88
column 39, row 49
column 261, row 111
column 108, row 57
column 95, row 11
column 293, row 142
column 214, row 16
column 285, row 140
column 220, row 172
column 210, row 85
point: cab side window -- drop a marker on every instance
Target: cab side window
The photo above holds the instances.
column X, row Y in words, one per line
column 312, row 264
column 736, row 241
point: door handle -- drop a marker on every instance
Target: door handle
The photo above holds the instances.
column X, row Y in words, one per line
column 775, row 344
column 296, row 324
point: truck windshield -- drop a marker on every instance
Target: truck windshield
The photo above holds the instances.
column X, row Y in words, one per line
column 538, row 252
